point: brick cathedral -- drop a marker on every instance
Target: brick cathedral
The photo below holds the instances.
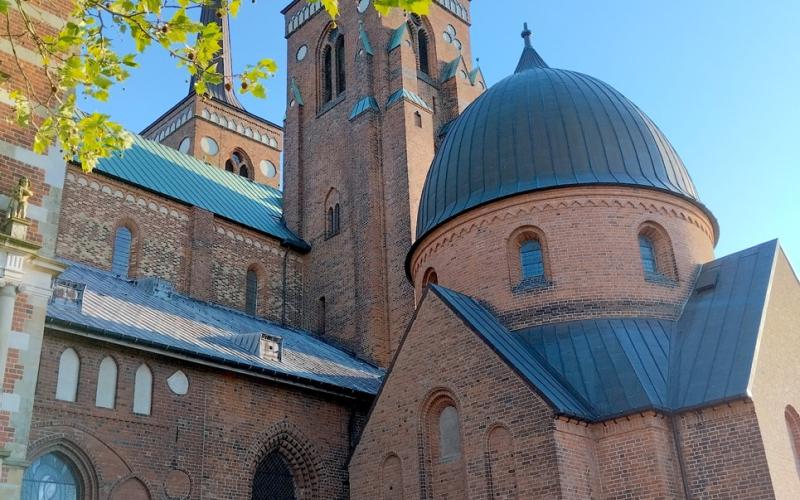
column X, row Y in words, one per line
column 417, row 287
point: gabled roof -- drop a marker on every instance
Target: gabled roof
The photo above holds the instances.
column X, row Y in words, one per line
column 600, row 369
column 363, row 105
column 166, row 171
column 405, row 94
column 122, row 310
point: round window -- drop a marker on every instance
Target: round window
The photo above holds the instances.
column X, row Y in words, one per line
column 302, row 52
column 186, row 143
column 447, row 37
column 209, row 146
column 451, row 30
column 457, row 43
column 268, row 168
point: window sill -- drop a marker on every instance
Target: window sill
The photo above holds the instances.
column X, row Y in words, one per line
column 331, row 104
column 533, row 285
column 660, row 279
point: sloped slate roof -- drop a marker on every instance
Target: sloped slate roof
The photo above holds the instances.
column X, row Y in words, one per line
column 161, row 169
column 119, row 309
column 599, row 369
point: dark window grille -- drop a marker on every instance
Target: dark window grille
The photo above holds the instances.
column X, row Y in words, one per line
column 337, row 218
column 648, row 255
column 530, row 254
column 50, row 477
column 341, row 83
column 273, row 479
column 121, row 260
column 251, row 293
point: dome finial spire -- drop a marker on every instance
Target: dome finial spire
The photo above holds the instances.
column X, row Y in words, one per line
column 526, row 35
column 529, row 59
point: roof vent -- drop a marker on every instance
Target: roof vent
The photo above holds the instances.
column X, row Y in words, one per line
column 707, row 280
column 156, row 287
column 263, row 345
column 67, row 292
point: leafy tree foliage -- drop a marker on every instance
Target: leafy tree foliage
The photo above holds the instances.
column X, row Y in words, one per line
column 81, row 60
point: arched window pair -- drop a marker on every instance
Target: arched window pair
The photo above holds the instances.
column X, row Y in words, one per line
column 69, row 366
column 655, row 251
column 420, row 42
column 238, row 164
column 334, row 80
column 333, row 214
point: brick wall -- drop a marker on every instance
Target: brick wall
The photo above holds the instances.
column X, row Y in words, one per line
column 724, row 453
column 201, row 255
column 377, row 163
column 506, row 429
column 591, row 252
column 209, row 440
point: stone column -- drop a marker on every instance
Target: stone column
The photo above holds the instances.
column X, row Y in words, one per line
column 8, row 297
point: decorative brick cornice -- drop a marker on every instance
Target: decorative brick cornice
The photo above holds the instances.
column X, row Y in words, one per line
column 649, row 203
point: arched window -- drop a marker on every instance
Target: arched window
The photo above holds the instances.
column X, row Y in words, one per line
column 655, row 251
column 449, row 435
column 793, row 426
column 392, row 480
column 51, row 476
column 648, row 253
column 430, row 278
column 422, row 44
column 106, row 384
column 341, row 83
column 69, row 367
column 273, row 479
column 531, row 259
column 121, row 258
column 333, row 221
column 333, row 66
column 251, row 292
column 327, row 74
column 237, row 163
column 142, row 390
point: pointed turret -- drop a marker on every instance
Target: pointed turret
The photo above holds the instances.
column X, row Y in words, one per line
column 530, row 59
column 210, row 14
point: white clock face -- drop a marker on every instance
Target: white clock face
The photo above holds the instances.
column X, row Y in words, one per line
column 362, row 6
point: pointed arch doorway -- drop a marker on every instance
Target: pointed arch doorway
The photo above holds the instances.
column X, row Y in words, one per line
column 273, row 479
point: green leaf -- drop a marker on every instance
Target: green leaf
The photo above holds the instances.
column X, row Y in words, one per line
column 4, row 6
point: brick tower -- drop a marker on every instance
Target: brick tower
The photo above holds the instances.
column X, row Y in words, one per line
column 216, row 128
column 368, row 98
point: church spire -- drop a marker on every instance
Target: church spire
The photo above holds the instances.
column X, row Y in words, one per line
column 210, row 14
column 530, row 59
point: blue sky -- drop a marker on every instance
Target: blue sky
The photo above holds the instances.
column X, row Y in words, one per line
column 721, row 78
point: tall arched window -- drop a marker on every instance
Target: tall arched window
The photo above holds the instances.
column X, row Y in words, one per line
column 422, row 44
column 251, row 292
column 333, row 221
column 648, row 253
column 341, row 83
column 106, row 384
column 273, row 479
column 327, row 74
column 655, row 251
column 793, row 426
column 449, row 435
column 142, row 390
column 531, row 259
column 51, row 476
column 69, row 367
column 121, row 258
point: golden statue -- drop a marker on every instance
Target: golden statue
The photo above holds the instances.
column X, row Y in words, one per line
column 18, row 206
